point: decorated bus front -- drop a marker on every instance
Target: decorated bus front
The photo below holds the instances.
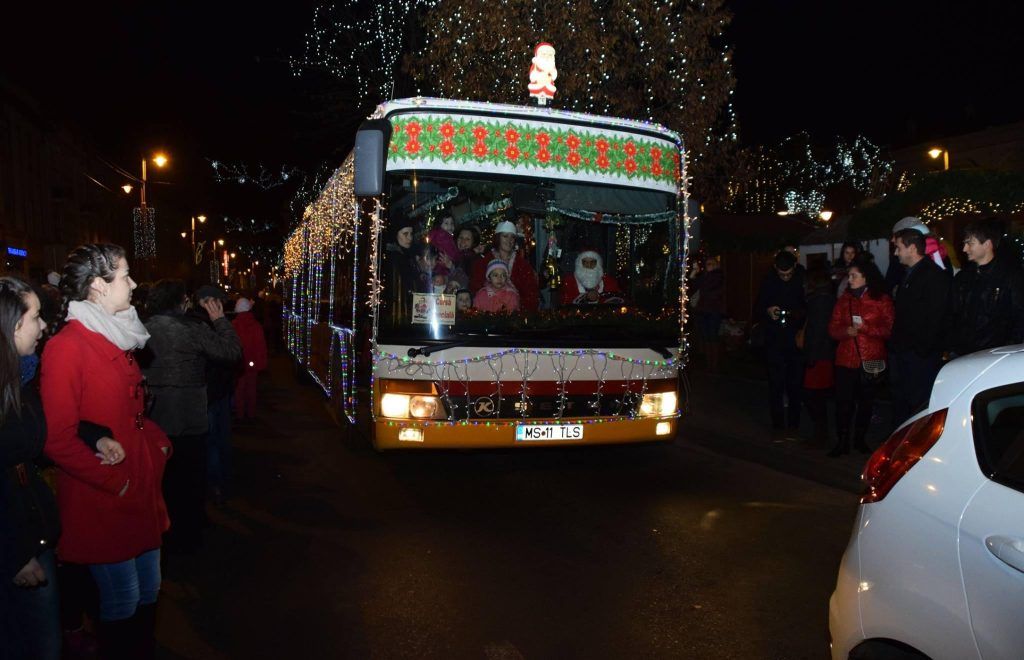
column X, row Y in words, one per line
column 525, row 277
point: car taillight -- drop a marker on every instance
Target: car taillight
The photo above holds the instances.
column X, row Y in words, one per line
column 898, row 454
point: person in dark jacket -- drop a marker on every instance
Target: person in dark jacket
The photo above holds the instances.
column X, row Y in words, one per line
column 220, row 383
column 708, row 285
column 922, row 306
column 988, row 294
column 29, row 569
column 818, row 352
column 781, row 307
column 861, row 322
column 175, row 369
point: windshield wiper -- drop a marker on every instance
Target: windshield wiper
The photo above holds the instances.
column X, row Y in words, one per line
column 427, row 350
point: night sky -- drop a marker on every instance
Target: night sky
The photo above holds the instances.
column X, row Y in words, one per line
column 211, row 80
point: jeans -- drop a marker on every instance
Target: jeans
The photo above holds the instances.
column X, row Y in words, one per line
column 127, row 584
column 185, row 492
column 218, row 444
column 912, row 377
column 36, row 613
column 785, row 379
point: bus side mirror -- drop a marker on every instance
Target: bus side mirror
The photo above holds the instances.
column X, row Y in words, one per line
column 370, row 152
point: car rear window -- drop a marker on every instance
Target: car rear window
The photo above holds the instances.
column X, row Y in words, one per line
column 999, row 434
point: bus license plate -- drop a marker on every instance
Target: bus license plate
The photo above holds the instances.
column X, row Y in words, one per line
column 530, row 432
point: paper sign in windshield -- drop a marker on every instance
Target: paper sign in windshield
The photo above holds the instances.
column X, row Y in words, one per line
column 433, row 308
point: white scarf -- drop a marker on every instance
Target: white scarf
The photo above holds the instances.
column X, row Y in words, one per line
column 123, row 329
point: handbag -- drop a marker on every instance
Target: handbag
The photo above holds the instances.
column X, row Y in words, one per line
column 871, row 371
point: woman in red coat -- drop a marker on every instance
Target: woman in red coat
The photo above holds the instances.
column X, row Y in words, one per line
column 254, row 358
column 112, row 515
column 861, row 322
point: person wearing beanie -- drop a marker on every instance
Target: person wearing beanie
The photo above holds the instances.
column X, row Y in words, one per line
column 521, row 273
column 254, row 358
column 499, row 294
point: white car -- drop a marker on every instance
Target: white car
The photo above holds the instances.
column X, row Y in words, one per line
column 935, row 565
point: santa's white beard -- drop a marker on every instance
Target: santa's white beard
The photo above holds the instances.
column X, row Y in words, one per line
column 589, row 278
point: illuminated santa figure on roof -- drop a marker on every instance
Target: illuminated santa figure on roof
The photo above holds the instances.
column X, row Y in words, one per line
column 588, row 284
column 543, row 73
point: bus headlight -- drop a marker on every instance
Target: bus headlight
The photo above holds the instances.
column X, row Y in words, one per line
column 424, row 406
column 658, row 404
column 394, row 405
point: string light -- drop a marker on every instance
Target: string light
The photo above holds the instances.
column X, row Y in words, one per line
column 241, row 174
column 144, row 232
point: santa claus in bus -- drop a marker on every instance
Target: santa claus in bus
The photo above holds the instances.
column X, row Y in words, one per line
column 543, row 73
column 588, row 284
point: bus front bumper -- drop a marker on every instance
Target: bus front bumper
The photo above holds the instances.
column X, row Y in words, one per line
column 393, row 434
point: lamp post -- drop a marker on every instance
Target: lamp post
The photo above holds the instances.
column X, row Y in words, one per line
column 935, row 152
column 197, row 255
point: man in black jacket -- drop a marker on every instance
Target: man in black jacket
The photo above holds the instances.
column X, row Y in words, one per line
column 988, row 295
column 922, row 304
column 781, row 308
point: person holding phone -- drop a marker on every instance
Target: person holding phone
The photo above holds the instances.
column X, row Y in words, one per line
column 861, row 322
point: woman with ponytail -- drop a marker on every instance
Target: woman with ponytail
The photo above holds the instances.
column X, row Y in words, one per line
column 112, row 514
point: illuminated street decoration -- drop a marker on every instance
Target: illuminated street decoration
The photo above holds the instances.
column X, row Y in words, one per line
column 144, row 232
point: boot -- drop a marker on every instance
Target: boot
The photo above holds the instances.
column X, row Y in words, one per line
column 117, row 640
column 146, row 632
column 842, row 446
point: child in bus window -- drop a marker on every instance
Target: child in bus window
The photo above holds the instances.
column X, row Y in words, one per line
column 442, row 236
column 463, row 300
column 498, row 294
column 440, row 282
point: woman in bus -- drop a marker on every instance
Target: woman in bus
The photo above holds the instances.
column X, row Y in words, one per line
column 112, row 516
column 861, row 323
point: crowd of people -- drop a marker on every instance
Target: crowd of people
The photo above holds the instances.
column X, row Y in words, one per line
column 115, row 424
column 847, row 330
column 494, row 278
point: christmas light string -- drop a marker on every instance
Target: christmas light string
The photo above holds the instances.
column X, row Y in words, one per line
column 240, row 173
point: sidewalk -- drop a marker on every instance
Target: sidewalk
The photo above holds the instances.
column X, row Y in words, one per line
column 728, row 413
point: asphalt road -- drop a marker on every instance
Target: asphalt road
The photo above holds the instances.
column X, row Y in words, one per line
column 666, row 551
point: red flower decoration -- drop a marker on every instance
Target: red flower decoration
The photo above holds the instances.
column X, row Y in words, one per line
column 573, row 142
column 447, row 129
column 630, row 149
column 480, row 132
column 512, row 153
column 543, row 139
column 413, row 129
column 480, row 150
column 447, row 148
column 544, row 156
column 573, row 159
column 656, row 169
column 497, row 133
column 413, row 146
column 602, row 145
column 511, row 135
column 603, row 162
column 655, row 154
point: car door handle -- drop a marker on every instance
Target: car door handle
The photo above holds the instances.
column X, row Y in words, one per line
column 1007, row 550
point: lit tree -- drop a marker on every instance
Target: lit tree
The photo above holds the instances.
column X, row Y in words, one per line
column 658, row 60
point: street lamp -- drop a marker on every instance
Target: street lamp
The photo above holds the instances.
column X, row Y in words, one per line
column 825, row 215
column 197, row 255
column 159, row 160
column 935, row 152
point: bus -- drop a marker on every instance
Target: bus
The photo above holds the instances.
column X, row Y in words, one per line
column 396, row 304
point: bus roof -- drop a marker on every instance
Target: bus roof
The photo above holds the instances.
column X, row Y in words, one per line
column 479, row 108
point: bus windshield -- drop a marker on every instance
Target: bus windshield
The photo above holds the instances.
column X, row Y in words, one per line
column 466, row 257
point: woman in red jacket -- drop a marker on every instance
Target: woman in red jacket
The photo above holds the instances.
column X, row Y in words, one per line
column 112, row 515
column 861, row 322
